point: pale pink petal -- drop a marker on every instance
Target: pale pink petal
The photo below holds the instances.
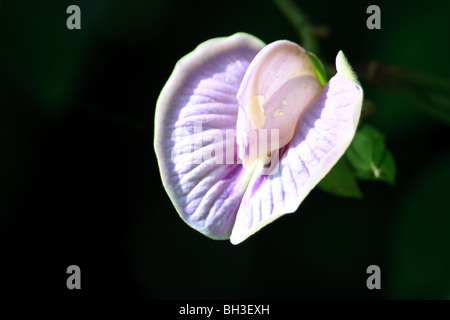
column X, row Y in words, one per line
column 279, row 83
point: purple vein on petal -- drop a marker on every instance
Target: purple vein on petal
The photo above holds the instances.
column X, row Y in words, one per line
column 202, row 89
column 324, row 132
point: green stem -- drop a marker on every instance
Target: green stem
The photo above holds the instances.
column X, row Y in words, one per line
column 300, row 23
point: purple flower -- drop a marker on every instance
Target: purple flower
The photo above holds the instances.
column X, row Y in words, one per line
column 244, row 131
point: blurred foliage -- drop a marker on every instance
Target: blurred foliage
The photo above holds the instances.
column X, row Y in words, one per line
column 369, row 157
column 39, row 56
column 414, row 43
column 366, row 158
column 300, row 22
column 429, row 93
column 341, row 180
column 420, row 251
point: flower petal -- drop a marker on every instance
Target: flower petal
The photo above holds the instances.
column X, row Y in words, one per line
column 196, row 107
column 279, row 83
column 324, row 132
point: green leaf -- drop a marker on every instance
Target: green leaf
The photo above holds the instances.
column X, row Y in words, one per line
column 341, row 181
column 320, row 69
column 369, row 157
column 388, row 168
column 360, row 152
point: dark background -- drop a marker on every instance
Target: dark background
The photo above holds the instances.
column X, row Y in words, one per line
column 79, row 182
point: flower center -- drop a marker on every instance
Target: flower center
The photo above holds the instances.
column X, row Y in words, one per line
column 269, row 124
column 255, row 111
column 277, row 87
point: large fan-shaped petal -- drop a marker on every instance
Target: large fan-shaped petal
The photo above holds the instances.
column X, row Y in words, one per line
column 194, row 111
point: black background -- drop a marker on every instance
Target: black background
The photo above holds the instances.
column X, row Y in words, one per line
column 80, row 182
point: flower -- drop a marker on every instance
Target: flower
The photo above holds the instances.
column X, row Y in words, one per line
column 244, row 131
